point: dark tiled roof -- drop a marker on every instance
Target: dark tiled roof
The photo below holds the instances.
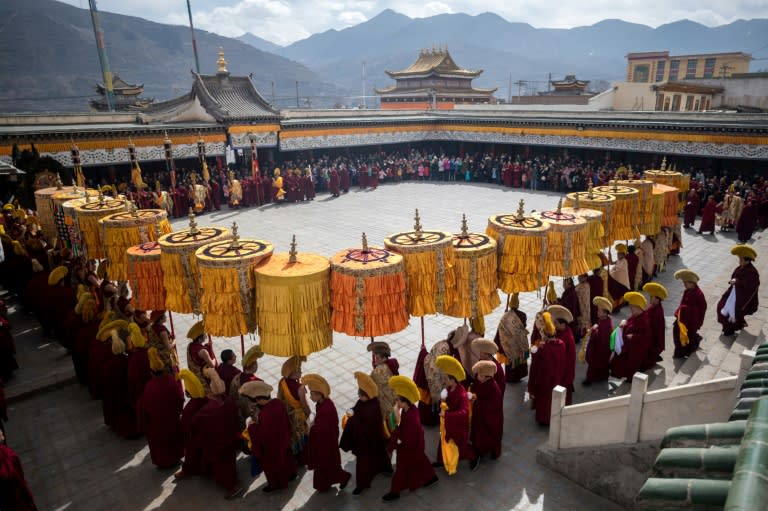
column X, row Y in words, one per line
column 230, row 98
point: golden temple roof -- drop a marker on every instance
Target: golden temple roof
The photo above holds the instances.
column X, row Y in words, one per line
column 434, row 60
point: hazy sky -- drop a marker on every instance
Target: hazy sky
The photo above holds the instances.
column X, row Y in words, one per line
column 286, row 21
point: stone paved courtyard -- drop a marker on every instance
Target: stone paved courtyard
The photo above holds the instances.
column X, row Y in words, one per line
column 72, row 461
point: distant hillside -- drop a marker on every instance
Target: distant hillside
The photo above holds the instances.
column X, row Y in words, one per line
column 508, row 50
column 48, row 59
column 260, row 44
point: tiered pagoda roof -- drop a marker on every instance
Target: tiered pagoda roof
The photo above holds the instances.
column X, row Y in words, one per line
column 436, row 61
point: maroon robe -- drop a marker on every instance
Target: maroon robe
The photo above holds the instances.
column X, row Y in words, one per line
column 258, row 188
column 362, row 176
column 426, row 411
column 598, row 355
column 270, row 192
column 487, row 418
column 708, row 217
column 691, row 208
column 14, row 491
column 569, row 370
column 271, row 444
column 658, row 334
column 595, row 289
column 227, row 372
column 413, row 468
column 373, row 177
column 693, row 307
column 216, row 195
column 57, row 302
column 322, row 448
column 117, row 410
column 635, row 348
column 333, row 183
column 8, row 362
column 159, row 414
column 499, row 377
column 517, row 176
column 364, row 437
column 138, row 375
column 99, row 352
column 344, row 180
column 457, row 423
column 547, row 367
column 216, row 431
column 193, row 453
column 747, row 283
column 309, row 187
column 506, row 175
column 747, row 222
column 570, row 300
column 632, row 263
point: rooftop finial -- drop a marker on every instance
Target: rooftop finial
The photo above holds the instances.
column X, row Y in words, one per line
column 664, row 163
column 221, row 63
column 365, row 244
column 292, row 253
column 235, row 245
column 464, row 228
column 193, row 230
column 521, row 210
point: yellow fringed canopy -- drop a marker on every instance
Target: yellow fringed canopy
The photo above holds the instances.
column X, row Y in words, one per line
column 595, row 234
column 293, row 304
column 429, row 269
column 120, row 231
column 88, row 216
column 59, row 216
column 521, row 248
column 227, row 285
column 647, row 214
column 669, row 215
column 566, row 243
column 602, row 202
column 368, row 292
column 69, row 210
column 476, row 280
column 145, row 276
column 625, row 214
column 180, row 273
column 672, row 178
column 653, row 226
column 45, row 209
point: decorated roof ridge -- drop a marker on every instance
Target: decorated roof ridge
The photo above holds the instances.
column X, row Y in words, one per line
column 439, row 90
column 228, row 97
column 118, row 83
column 436, row 60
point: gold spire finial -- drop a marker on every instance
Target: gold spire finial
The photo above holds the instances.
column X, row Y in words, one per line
column 59, row 184
column 615, row 185
column 521, row 209
column 134, row 209
column 292, row 253
column 235, row 245
column 101, row 196
column 464, row 228
column 560, row 206
column 576, row 202
column 664, row 163
column 158, row 232
column 193, row 230
column 221, row 63
column 365, row 244
column 590, row 191
column 417, row 228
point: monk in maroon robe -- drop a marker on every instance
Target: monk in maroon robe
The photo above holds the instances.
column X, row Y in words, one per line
column 517, row 175
column 637, row 341
column 747, row 222
column 8, row 362
column 270, row 436
column 565, row 334
column 596, row 286
column 364, row 437
column 308, row 186
column 14, row 491
column 570, row 300
column 547, row 368
column 333, row 182
column 99, row 352
column 691, row 208
column 159, row 414
column 322, row 449
column 270, row 192
column 216, row 428
column 657, row 324
column 138, row 375
column 598, row 355
column 216, row 194
column 506, row 175
column 633, row 264
column 693, row 307
column 116, row 407
column 192, row 450
column 226, row 369
column 344, row 175
column 456, row 421
column 746, row 281
column 487, row 411
column 708, row 216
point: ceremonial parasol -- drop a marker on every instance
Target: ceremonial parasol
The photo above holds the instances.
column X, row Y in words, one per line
column 476, row 287
column 293, row 303
column 429, row 259
column 368, row 295
column 522, row 250
column 566, row 242
column 625, row 214
column 669, row 215
column 649, row 214
column 227, row 284
column 180, row 273
column 60, row 216
column 88, row 216
column 603, row 202
column 653, row 226
column 69, row 210
column 120, row 231
column 45, row 208
column 145, row 276
column 671, row 178
column 595, row 232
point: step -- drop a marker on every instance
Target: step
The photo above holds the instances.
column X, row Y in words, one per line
column 692, row 494
column 705, row 435
column 698, row 463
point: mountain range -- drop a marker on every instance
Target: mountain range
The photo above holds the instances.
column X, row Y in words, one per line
column 48, row 57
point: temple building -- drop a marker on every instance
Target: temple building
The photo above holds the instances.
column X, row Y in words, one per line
column 568, row 86
column 126, row 96
column 434, row 81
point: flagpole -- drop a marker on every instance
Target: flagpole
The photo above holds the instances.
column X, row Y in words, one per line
column 194, row 41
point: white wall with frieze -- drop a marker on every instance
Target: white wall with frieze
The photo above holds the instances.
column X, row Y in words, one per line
column 742, row 151
column 243, row 140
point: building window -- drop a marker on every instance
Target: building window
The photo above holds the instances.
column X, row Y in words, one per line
column 676, row 103
column 696, row 105
column 688, row 103
column 674, row 70
column 660, row 68
column 706, row 104
column 690, row 71
column 641, row 73
column 659, row 102
column 666, row 104
column 709, row 68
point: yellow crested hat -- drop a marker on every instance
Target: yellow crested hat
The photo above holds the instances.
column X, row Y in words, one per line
column 549, row 326
column 405, row 387
column 137, row 337
column 366, row 384
column 156, row 362
column 621, row 248
column 687, row 276
column 484, row 368
column 452, row 367
column 560, row 312
column 636, row 299
column 602, row 302
column 106, row 329
column 656, row 289
column 254, row 389
column 196, row 331
column 192, row 384
column 57, row 274
column 745, row 251
column 316, row 383
column 252, row 355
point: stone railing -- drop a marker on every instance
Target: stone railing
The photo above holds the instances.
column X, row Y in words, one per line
column 642, row 416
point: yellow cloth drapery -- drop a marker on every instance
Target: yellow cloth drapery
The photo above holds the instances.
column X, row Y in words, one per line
column 448, row 448
column 88, row 216
column 595, row 234
column 120, row 231
column 475, row 276
column 145, row 275
column 625, row 212
column 521, row 249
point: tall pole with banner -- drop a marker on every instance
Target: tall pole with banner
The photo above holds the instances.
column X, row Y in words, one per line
column 170, row 165
column 254, row 158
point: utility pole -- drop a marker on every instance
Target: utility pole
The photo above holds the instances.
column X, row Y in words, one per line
column 297, row 94
column 509, row 99
column 273, row 93
column 549, row 82
column 520, row 84
column 364, row 94
column 101, row 47
column 724, row 70
column 194, row 41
